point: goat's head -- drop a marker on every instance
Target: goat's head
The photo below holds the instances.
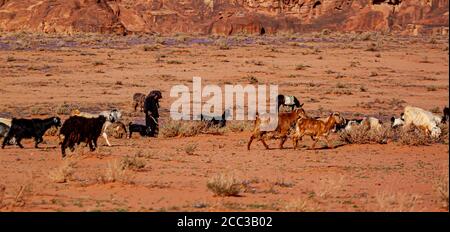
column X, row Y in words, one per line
column 396, row 122
column 300, row 113
column 155, row 94
column 56, row 121
column 114, row 115
column 337, row 118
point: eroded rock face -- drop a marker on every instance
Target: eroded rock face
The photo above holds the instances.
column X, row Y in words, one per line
column 223, row 16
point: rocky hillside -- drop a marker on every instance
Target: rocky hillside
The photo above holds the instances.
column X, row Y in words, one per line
column 224, row 16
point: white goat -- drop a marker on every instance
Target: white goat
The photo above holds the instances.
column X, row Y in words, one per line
column 370, row 123
column 423, row 119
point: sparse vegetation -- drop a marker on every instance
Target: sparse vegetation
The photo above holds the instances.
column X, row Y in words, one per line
column 63, row 173
column 190, row 148
column 396, row 202
column 224, row 185
column 441, row 186
column 116, row 172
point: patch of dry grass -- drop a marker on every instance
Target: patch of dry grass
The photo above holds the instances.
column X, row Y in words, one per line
column 325, row 188
column 116, row 172
column 413, row 136
column 224, row 185
column 441, row 186
column 62, row 173
column 360, row 134
column 189, row 129
column 190, row 148
column 396, row 202
column 132, row 163
column 300, row 205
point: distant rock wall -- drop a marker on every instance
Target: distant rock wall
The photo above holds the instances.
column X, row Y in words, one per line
column 224, row 17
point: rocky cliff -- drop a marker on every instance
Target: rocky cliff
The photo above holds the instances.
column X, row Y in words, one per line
column 224, row 16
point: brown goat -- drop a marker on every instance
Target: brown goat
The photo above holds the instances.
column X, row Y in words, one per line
column 285, row 122
column 138, row 101
column 315, row 128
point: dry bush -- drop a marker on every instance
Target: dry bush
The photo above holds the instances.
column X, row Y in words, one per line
column 132, row 163
column 62, row 173
column 65, row 109
column 413, row 136
column 240, row 126
column 441, row 186
column 182, row 129
column 360, row 134
column 189, row 129
column 224, row 185
column 443, row 138
column 300, row 205
column 117, row 130
column 325, row 188
column 191, row 148
column 396, row 202
column 116, row 172
column 53, row 131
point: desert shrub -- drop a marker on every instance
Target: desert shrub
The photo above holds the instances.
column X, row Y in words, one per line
column 190, row 148
column 132, row 163
column 189, row 129
column 182, row 129
column 412, row 136
column 360, row 134
column 147, row 48
column 300, row 205
column 53, row 131
column 224, row 185
column 240, row 126
column 222, row 44
column 443, row 138
column 62, row 173
column 252, row 79
column 396, row 202
column 441, row 186
column 116, row 172
column 65, row 109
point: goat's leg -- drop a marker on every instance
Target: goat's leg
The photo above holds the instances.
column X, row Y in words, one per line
column 37, row 140
column 313, row 145
column 91, row 145
column 248, row 144
column 106, row 138
column 264, row 143
column 282, row 141
column 95, row 143
column 328, row 142
column 5, row 141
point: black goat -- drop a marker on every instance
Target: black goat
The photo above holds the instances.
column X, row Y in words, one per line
column 212, row 121
column 290, row 101
column 29, row 128
column 151, row 110
column 80, row 129
column 142, row 129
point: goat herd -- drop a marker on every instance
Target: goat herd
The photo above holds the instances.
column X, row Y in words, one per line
column 87, row 128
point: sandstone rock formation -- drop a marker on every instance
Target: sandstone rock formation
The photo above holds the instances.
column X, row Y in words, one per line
column 223, row 16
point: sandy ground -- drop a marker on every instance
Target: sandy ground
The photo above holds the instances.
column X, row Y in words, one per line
column 376, row 77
